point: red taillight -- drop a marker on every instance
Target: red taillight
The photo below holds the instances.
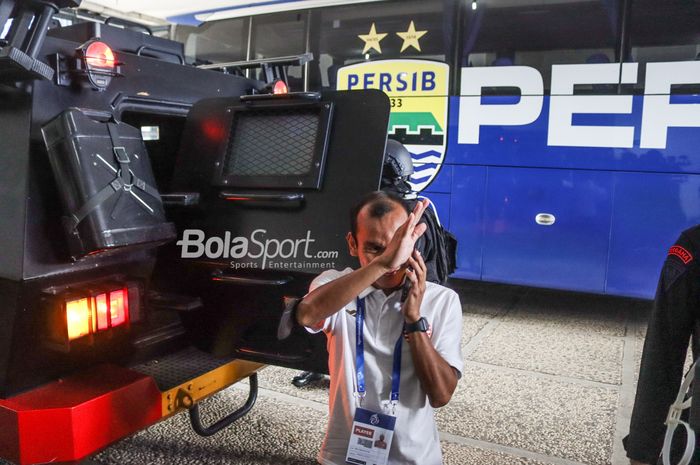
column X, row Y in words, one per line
column 102, row 312
column 97, row 313
column 118, row 307
column 79, row 318
column 99, row 54
column 280, row 87
column 214, row 130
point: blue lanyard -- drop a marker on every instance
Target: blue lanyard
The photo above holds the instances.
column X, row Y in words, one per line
column 360, row 357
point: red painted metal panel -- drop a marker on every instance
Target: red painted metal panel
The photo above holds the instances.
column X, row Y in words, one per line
column 72, row 418
column 9, row 435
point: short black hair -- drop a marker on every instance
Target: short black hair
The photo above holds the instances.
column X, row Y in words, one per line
column 380, row 203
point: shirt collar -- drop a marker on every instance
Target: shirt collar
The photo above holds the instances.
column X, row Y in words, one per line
column 369, row 290
column 379, row 294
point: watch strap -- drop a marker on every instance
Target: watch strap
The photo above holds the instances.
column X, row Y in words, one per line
column 420, row 325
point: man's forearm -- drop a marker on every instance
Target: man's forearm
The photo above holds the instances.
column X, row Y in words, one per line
column 324, row 301
column 436, row 376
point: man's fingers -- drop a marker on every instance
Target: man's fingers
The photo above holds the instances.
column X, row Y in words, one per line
column 418, row 231
column 407, row 228
column 422, row 269
column 407, row 224
column 411, row 276
column 421, row 262
column 420, row 272
column 418, row 211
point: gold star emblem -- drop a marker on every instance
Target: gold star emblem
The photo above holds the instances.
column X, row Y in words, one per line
column 372, row 40
column 410, row 37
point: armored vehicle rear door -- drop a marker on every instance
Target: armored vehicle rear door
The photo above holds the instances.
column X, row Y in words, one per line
column 264, row 188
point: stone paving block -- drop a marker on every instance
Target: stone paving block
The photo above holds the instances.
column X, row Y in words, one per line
column 588, row 314
column 280, row 380
column 459, row 454
column 272, row 434
column 558, row 350
column 638, row 319
column 485, row 299
column 640, row 332
column 471, row 325
column 637, row 350
column 542, row 415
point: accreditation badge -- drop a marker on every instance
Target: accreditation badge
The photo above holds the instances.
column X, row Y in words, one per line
column 370, row 438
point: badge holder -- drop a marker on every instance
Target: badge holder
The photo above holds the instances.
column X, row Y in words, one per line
column 372, row 432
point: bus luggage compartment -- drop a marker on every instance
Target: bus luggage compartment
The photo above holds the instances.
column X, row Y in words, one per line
column 543, row 226
column 276, row 179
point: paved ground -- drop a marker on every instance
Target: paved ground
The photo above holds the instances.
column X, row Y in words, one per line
column 549, row 379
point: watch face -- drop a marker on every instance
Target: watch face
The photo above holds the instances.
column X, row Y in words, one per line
column 422, row 324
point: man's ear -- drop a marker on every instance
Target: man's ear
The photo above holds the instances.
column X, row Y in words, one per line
column 352, row 244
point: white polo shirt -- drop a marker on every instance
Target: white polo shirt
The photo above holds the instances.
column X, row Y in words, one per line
column 415, row 438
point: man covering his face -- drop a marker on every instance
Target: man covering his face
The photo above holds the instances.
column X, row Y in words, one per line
column 393, row 341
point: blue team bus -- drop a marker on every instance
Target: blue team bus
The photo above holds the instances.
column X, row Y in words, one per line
column 558, row 139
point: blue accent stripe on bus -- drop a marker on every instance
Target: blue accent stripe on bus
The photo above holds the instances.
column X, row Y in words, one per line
column 429, row 153
column 419, row 180
column 191, row 20
column 185, row 20
column 423, row 167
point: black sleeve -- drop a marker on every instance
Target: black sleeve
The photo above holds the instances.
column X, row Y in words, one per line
column 665, row 348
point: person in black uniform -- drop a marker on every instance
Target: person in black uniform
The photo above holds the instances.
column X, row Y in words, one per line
column 674, row 319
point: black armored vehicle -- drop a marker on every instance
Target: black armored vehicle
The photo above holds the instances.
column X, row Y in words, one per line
column 156, row 220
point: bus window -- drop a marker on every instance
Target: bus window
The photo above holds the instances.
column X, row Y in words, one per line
column 376, row 31
column 663, row 33
column 281, row 34
column 539, row 34
column 215, row 42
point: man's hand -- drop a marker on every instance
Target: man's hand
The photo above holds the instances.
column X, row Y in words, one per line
column 416, row 274
column 436, row 376
column 399, row 250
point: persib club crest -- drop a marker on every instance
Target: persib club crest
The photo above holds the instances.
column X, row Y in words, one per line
column 418, row 91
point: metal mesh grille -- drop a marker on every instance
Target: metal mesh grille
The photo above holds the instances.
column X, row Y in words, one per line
column 272, row 144
column 174, row 369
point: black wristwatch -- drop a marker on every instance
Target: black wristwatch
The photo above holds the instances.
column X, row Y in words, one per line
column 420, row 325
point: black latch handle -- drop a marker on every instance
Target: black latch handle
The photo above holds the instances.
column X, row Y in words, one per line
column 228, row 420
column 180, row 199
column 255, row 197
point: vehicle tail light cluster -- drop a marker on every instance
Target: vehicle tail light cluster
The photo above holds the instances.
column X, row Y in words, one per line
column 99, row 55
column 280, row 87
column 96, row 313
column 82, row 315
column 276, row 87
column 94, row 62
column 99, row 63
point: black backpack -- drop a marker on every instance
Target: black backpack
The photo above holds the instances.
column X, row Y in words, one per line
column 438, row 246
